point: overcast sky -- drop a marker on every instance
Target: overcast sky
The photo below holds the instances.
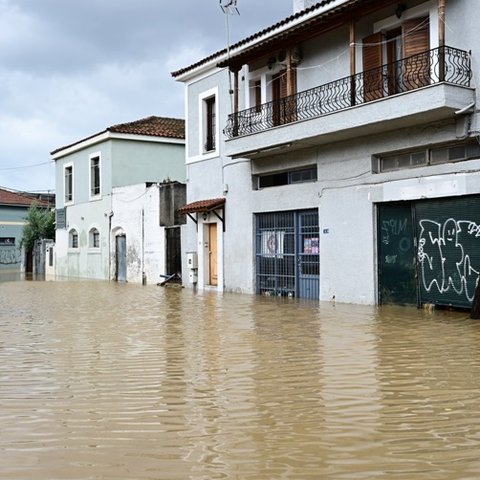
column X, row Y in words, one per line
column 71, row 68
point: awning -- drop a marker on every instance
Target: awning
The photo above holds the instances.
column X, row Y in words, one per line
column 205, row 206
column 201, row 206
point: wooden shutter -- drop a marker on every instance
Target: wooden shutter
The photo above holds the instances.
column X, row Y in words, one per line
column 416, row 46
column 279, row 92
column 372, row 62
column 284, row 106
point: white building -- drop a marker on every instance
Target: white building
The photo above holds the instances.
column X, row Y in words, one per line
column 335, row 155
column 108, row 201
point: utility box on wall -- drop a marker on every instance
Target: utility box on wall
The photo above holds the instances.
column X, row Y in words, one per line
column 192, row 266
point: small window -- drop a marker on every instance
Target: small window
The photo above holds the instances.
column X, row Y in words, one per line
column 94, row 176
column 301, row 176
column 210, row 124
column 288, row 177
column 403, row 160
column 94, row 238
column 273, row 180
column 68, row 183
column 429, row 156
column 7, row 241
column 73, row 239
column 455, row 153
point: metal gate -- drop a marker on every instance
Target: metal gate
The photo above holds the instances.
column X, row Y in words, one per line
column 444, row 267
column 287, row 254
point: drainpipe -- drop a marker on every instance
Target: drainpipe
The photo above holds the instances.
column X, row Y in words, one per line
column 441, row 40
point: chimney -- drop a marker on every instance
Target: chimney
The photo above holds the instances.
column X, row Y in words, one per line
column 299, row 5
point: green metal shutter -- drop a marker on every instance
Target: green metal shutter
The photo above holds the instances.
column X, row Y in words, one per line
column 448, row 250
column 396, row 257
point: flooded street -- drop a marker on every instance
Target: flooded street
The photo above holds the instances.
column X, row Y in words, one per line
column 105, row 381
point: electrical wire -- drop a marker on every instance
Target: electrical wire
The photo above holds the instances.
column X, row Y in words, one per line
column 25, row 166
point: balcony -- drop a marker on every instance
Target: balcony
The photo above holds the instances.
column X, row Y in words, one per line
column 437, row 82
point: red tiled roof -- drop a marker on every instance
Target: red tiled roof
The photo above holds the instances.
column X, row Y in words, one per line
column 151, row 126
column 154, row 126
column 202, row 205
column 259, row 34
column 8, row 197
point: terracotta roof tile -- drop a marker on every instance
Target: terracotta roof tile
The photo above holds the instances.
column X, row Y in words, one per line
column 202, row 205
column 151, row 126
column 8, row 197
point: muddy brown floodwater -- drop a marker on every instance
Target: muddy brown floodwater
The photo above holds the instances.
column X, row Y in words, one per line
column 105, row 381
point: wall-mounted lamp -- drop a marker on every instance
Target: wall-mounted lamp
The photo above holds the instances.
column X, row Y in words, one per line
column 205, row 216
column 401, row 7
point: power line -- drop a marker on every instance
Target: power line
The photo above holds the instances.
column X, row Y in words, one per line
column 25, row 166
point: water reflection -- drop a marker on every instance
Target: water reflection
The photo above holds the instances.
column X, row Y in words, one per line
column 100, row 380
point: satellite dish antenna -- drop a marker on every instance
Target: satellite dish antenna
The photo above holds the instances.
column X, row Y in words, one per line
column 229, row 7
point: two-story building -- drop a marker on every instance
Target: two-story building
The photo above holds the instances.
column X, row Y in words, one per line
column 108, row 203
column 335, row 155
column 14, row 205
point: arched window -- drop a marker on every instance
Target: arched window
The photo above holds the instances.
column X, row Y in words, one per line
column 73, row 238
column 94, row 238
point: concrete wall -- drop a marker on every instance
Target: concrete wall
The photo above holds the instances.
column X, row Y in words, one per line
column 137, row 216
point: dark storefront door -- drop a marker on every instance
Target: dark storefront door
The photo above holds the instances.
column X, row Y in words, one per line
column 396, row 255
column 429, row 251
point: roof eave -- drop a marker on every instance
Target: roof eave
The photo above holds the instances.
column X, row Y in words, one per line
column 221, row 59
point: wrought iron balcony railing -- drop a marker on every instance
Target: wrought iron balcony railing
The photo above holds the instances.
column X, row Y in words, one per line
column 444, row 64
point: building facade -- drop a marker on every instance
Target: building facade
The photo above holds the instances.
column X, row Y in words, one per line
column 108, row 200
column 13, row 214
column 341, row 148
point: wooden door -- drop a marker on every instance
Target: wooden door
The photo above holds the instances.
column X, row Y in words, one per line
column 212, row 253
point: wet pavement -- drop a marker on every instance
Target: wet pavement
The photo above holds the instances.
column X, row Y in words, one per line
column 106, row 381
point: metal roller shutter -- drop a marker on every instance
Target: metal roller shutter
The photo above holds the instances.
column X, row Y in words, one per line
column 448, row 250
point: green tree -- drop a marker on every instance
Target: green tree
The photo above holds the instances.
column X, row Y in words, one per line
column 40, row 224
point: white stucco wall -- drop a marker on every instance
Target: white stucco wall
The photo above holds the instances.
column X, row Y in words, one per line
column 347, row 190
column 136, row 215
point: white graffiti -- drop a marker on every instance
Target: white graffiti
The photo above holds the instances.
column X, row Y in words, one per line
column 447, row 254
column 393, row 227
column 10, row 256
